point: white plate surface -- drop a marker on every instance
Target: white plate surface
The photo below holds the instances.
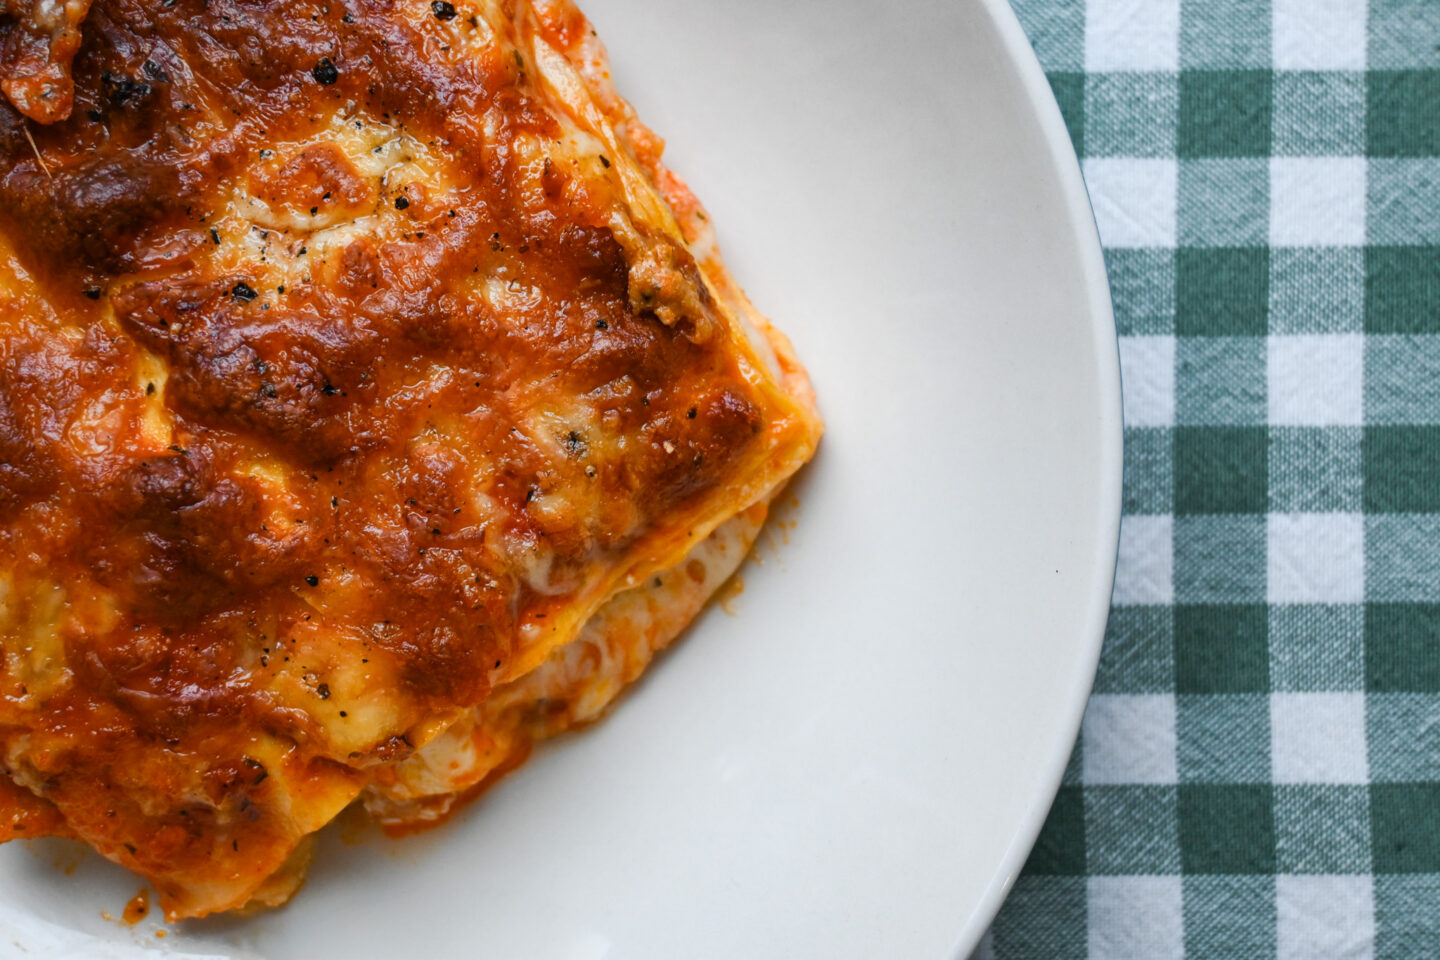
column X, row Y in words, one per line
column 854, row 763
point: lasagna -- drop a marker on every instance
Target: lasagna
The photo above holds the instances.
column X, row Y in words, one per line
column 373, row 404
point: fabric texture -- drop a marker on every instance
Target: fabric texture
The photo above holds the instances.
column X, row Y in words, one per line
column 1258, row 773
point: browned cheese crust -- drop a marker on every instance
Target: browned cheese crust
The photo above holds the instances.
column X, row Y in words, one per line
column 353, row 355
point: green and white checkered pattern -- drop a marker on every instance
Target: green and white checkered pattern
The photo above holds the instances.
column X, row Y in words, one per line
column 1258, row 773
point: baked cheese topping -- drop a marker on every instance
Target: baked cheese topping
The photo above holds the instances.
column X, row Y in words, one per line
column 353, row 356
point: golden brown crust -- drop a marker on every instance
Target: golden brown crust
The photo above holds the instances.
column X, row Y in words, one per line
column 351, row 357
column 35, row 55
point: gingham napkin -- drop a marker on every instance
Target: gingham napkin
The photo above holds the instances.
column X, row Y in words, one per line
column 1259, row 769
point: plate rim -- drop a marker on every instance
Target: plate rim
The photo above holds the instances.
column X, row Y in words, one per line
column 1065, row 165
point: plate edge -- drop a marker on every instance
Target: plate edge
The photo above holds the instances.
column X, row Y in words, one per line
column 1066, row 165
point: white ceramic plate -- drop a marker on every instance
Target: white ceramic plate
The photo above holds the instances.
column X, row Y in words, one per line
column 855, row 763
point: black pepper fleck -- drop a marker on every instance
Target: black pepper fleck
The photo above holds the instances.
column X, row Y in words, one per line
column 325, row 73
column 313, row 580
column 401, row 203
column 121, row 91
column 243, row 291
column 443, row 10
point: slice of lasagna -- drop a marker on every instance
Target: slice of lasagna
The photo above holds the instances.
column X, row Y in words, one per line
column 373, row 403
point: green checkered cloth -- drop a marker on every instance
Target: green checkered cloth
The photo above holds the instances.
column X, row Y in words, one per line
column 1258, row 773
